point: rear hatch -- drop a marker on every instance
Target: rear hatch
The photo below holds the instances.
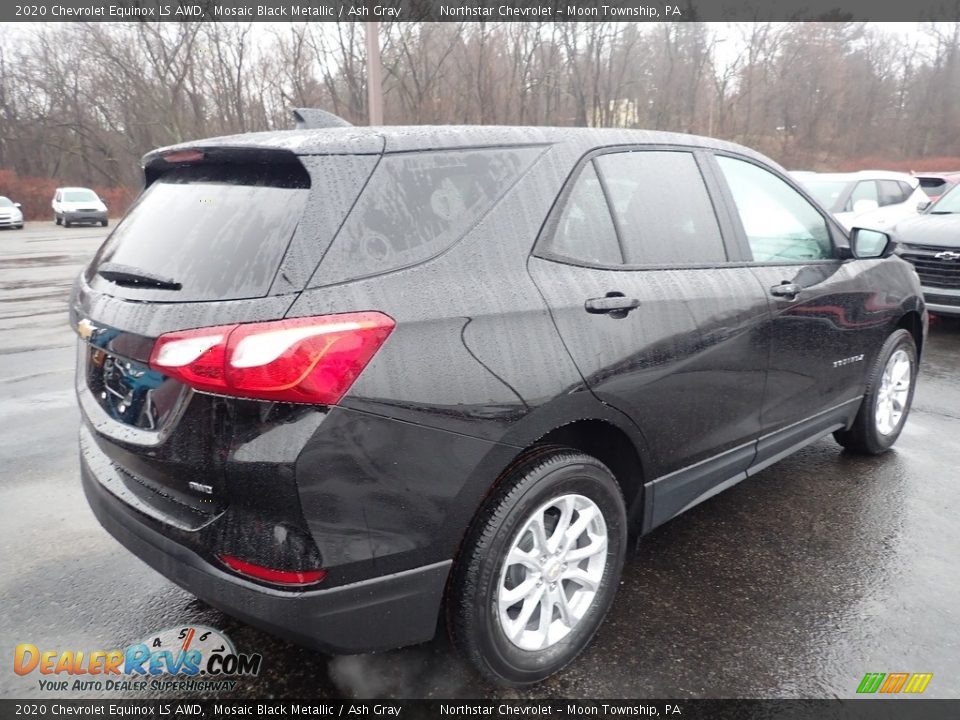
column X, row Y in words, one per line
column 218, row 237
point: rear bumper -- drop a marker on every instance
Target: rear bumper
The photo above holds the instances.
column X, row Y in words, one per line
column 377, row 614
column 80, row 216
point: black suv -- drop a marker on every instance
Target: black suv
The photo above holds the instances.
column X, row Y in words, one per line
column 338, row 381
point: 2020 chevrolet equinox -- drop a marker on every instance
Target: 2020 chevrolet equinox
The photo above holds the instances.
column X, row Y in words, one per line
column 339, row 381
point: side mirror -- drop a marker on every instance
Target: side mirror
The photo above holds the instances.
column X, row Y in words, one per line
column 866, row 244
column 923, row 205
column 16, row 205
column 865, row 206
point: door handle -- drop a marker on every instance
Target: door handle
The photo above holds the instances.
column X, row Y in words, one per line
column 786, row 290
column 614, row 304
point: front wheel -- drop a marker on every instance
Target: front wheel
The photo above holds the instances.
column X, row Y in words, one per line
column 540, row 567
column 887, row 400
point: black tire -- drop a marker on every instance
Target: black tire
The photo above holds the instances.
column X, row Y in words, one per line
column 864, row 436
column 57, row 219
column 66, row 223
column 103, row 223
column 473, row 617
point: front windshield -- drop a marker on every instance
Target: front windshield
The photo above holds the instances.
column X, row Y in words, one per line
column 827, row 192
column 80, row 196
column 5, row 202
column 948, row 203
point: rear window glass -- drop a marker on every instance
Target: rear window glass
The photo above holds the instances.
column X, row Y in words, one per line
column 80, row 196
column 417, row 205
column 220, row 231
column 932, row 186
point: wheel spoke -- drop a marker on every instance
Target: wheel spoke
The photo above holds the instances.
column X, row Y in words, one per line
column 566, row 615
column 539, row 534
column 522, row 557
column 576, row 530
column 526, row 612
column 594, row 547
column 581, row 578
column 546, row 617
column 510, row 597
column 566, row 515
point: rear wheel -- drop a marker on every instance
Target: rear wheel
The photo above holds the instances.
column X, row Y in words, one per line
column 103, row 223
column 57, row 219
column 540, row 568
column 887, row 401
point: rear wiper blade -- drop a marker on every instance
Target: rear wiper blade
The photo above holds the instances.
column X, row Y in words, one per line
column 135, row 277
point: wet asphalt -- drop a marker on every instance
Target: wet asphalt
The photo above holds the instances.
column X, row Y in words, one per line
column 794, row 583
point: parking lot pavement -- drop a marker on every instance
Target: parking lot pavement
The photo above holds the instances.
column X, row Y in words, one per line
column 794, row 583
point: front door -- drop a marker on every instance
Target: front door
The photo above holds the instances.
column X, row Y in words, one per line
column 818, row 312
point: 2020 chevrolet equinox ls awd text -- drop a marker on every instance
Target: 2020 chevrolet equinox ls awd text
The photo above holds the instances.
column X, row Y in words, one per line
column 339, row 381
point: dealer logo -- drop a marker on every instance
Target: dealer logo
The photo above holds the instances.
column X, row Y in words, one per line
column 186, row 653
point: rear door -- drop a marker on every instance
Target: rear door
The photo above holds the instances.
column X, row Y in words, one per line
column 660, row 323
column 821, row 313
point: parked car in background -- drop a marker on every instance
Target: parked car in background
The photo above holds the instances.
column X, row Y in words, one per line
column 936, row 184
column 869, row 198
column 10, row 214
column 76, row 205
column 338, row 382
column 931, row 241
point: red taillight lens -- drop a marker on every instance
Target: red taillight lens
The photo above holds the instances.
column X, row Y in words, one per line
column 272, row 575
column 304, row 360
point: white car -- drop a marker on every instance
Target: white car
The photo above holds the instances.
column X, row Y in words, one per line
column 873, row 199
column 73, row 205
column 10, row 215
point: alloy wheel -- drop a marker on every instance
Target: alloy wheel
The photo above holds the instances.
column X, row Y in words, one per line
column 552, row 572
column 894, row 392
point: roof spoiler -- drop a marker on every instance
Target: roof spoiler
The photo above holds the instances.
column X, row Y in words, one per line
column 312, row 119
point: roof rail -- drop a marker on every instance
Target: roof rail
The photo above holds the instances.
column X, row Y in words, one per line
column 312, row 118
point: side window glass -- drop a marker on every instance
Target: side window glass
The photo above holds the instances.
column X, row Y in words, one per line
column 865, row 190
column 417, row 205
column 891, row 192
column 780, row 224
column 663, row 211
column 585, row 231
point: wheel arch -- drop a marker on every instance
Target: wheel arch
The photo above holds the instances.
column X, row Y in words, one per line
column 912, row 322
column 580, row 422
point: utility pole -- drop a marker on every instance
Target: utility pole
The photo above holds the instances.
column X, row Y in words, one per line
column 374, row 81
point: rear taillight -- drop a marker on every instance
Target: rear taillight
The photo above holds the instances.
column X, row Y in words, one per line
column 303, row 360
column 291, row 578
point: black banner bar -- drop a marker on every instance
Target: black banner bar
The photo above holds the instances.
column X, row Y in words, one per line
column 476, row 10
column 873, row 709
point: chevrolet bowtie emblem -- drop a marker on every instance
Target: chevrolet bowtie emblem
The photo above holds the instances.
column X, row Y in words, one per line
column 947, row 255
